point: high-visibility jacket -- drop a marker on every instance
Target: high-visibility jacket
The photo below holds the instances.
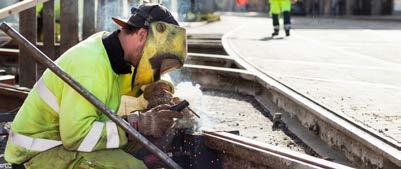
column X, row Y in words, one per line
column 54, row 114
column 278, row 6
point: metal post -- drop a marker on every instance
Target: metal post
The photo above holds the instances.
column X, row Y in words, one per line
column 39, row 56
column 28, row 27
column 89, row 24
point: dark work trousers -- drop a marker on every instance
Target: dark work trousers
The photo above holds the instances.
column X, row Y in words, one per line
column 287, row 20
column 276, row 23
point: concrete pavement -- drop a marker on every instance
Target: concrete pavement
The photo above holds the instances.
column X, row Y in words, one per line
column 352, row 67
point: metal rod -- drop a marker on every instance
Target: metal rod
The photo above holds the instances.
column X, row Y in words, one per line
column 193, row 112
column 18, row 7
column 40, row 57
column 182, row 105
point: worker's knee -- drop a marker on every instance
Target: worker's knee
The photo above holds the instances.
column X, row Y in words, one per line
column 105, row 159
column 59, row 157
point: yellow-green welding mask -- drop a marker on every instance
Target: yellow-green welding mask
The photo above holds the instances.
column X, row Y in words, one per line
column 165, row 50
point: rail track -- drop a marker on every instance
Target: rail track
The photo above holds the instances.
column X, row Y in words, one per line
column 326, row 132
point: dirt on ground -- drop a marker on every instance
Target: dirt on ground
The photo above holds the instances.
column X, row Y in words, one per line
column 229, row 112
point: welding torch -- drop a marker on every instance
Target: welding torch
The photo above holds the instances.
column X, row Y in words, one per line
column 181, row 106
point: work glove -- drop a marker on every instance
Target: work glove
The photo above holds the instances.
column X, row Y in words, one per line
column 158, row 93
column 154, row 122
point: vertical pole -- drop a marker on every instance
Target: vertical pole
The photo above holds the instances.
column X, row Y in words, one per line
column 27, row 65
column 68, row 24
column 321, row 7
column 349, row 7
column 376, row 7
column 327, row 7
column 89, row 19
column 48, row 33
column 100, row 14
column 307, row 6
column 263, row 6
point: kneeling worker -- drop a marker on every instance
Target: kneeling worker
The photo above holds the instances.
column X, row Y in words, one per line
column 57, row 128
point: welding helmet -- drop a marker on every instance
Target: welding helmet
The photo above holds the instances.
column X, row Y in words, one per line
column 165, row 48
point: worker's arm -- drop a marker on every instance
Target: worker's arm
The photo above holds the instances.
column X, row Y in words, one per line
column 82, row 127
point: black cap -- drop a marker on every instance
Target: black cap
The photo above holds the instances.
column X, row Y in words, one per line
column 146, row 14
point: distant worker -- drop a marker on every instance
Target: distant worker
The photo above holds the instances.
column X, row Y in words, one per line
column 242, row 5
column 57, row 128
column 276, row 8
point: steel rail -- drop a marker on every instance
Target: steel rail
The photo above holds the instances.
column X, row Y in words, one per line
column 288, row 154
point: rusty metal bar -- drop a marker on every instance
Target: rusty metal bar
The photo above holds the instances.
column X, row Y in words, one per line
column 18, row 7
column 43, row 59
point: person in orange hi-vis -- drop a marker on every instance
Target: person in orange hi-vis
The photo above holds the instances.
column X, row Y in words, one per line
column 241, row 5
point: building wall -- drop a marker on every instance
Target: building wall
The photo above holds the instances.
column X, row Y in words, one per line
column 309, row 7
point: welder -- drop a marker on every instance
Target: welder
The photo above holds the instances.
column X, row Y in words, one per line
column 57, row 128
column 276, row 8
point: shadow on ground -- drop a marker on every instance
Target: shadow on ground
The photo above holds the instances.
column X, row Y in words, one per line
column 271, row 38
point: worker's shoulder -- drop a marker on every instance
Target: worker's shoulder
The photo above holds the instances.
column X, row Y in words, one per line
column 91, row 51
column 90, row 48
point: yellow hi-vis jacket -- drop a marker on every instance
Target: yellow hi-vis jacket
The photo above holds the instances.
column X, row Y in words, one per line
column 54, row 114
column 278, row 6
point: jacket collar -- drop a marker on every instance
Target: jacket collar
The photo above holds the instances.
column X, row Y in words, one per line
column 115, row 53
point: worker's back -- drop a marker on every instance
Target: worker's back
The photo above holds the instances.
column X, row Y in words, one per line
column 53, row 110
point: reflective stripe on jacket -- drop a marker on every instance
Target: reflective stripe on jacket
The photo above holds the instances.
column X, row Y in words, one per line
column 54, row 114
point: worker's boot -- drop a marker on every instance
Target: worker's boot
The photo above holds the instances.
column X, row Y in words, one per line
column 287, row 32
column 287, row 22
column 276, row 24
column 275, row 33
